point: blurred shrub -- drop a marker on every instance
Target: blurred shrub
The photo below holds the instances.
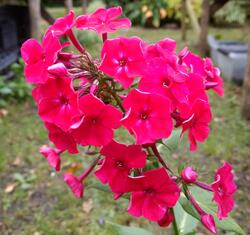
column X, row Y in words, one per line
column 232, row 12
column 16, row 89
column 153, row 12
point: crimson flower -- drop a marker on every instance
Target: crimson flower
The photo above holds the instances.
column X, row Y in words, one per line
column 197, row 122
column 103, row 20
column 165, row 81
column 122, row 59
column 63, row 24
column 38, row 57
column 52, row 155
column 224, row 189
column 157, row 193
column 57, row 102
column 205, row 68
column 119, row 160
column 97, row 122
column 61, row 139
column 148, row 116
column 74, row 184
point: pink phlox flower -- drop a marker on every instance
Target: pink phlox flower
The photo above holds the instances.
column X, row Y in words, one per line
column 163, row 79
column 119, row 160
column 74, row 184
column 197, row 123
column 52, row 155
column 157, row 193
column 123, row 59
column 61, row 139
column 63, row 24
column 38, row 57
column 96, row 123
column 57, row 102
column 103, row 20
column 147, row 117
column 213, row 78
column 224, row 188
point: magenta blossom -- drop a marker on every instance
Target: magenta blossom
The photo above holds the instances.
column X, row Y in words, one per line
column 103, row 20
column 61, row 139
column 52, row 155
column 157, row 193
column 74, row 184
column 38, row 57
column 163, row 79
column 122, row 59
column 197, row 122
column 62, row 25
column 97, row 122
column 147, row 117
column 189, row 175
column 57, row 102
column 118, row 162
column 224, row 189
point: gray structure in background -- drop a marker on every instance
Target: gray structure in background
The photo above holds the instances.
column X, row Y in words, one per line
column 230, row 57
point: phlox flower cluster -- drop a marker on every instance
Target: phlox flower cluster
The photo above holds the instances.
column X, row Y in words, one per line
column 148, row 89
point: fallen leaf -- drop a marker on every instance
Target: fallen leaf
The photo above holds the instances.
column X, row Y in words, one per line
column 10, row 188
column 37, row 233
column 3, row 112
column 17, row 162
column 87, row 206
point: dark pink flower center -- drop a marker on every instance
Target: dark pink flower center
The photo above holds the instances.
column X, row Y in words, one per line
column 220, row 190
column 122, row 62
column 64, row 100
column 149, row 191
column 119, row 164
column 166, row 82
column 144, row 115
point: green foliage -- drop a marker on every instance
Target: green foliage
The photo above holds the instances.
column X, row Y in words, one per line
column 153, row 12
column 15, row 89
column 184, row 221
column 232, row 12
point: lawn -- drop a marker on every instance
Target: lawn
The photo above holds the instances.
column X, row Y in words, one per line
column 34, row 199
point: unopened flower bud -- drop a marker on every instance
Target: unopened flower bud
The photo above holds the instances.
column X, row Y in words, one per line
column 58, row 69
column 208, row 222
column 189, row 175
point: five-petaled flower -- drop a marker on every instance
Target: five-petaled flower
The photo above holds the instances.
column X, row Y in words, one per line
column 38, row 57
column 103, row 20
column 119, row 160
column 123, row 59
column 147, row 117
column 156, row 194
column 96, row 122
column 224, row 189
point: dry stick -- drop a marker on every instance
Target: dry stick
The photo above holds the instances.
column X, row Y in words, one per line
column 157, row 154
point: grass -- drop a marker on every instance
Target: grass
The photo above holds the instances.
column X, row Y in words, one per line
column 41, row 203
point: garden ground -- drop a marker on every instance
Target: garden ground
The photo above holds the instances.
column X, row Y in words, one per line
column 34, row 200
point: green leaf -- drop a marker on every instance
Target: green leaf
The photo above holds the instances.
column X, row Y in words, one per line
column 173, row 140
column 105, row 188
column 126, row 230
column 185, row 222
column 204, row 198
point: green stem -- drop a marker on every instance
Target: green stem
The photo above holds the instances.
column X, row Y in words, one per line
column 175, row 226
